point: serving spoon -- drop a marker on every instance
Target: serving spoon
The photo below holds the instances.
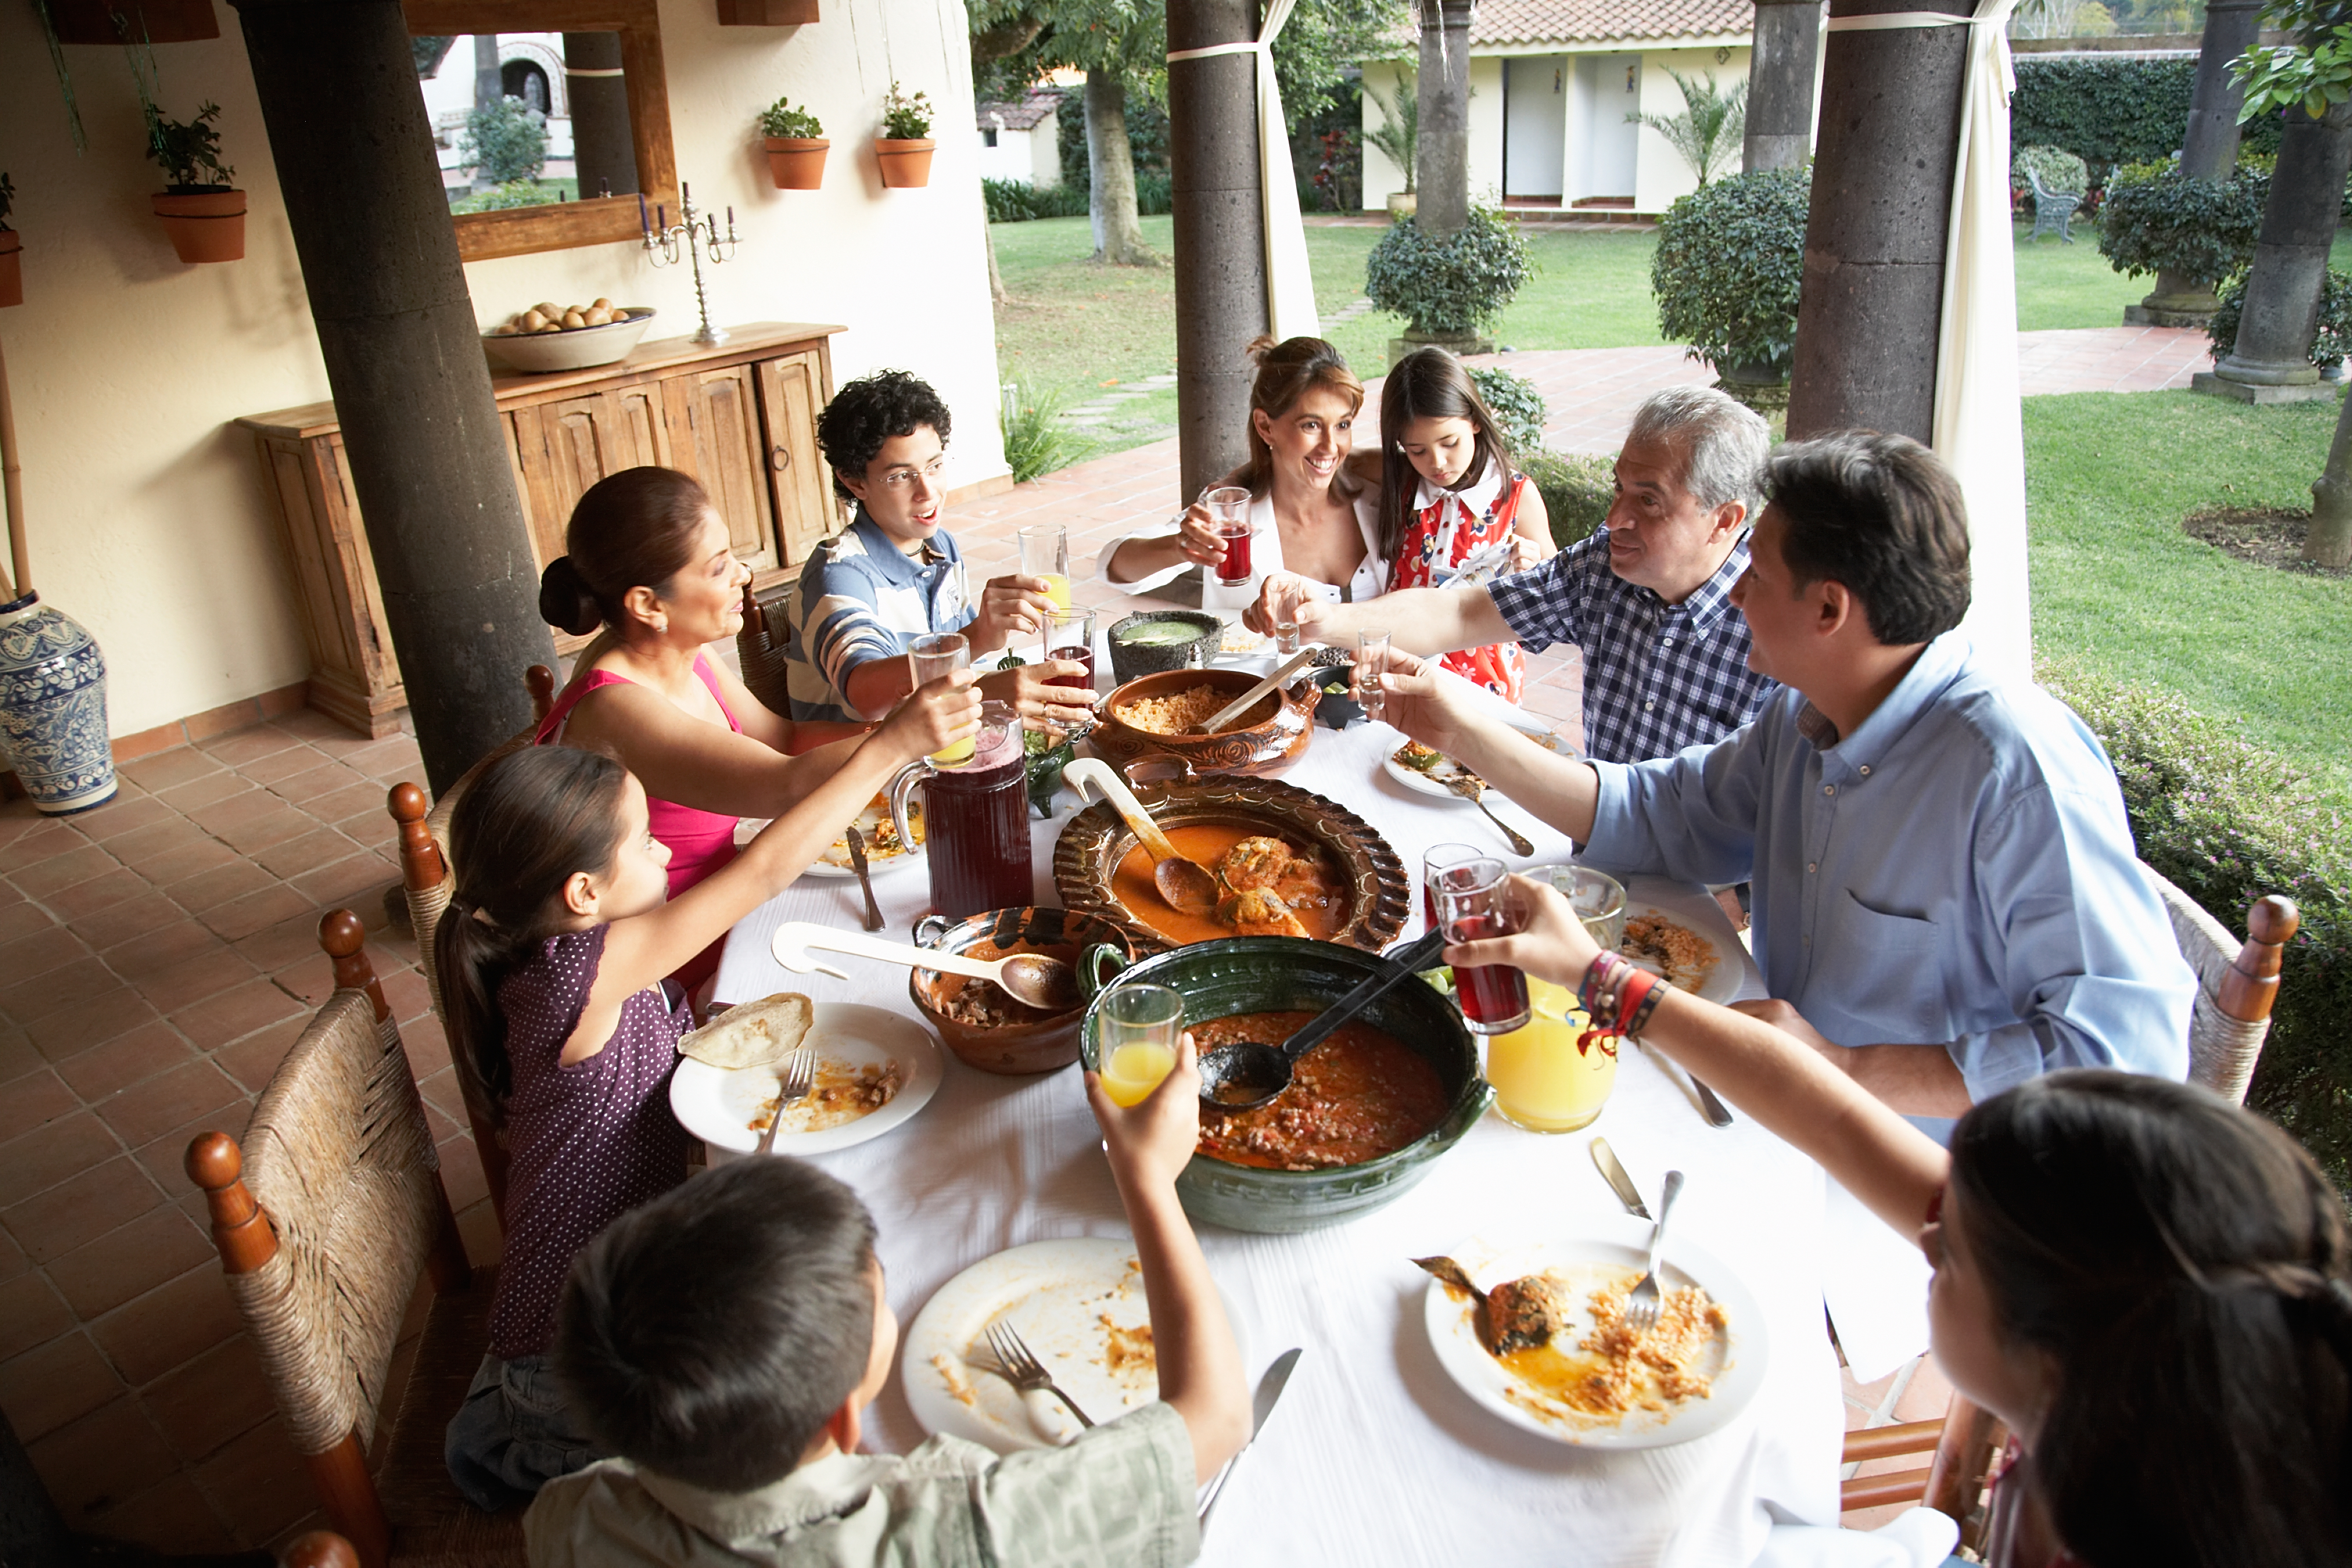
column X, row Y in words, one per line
column 1045, row 983
column 1186, row 885
column 1248, row 1073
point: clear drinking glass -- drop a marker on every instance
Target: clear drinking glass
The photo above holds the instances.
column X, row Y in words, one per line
column 1371, row 658
column 1045, row 553
column 1598, row 898
column 1439, row 857
column 1137, row 1028
column 1068, row 635
column 934, row 656
column 1474, row 902
column 1228, row 508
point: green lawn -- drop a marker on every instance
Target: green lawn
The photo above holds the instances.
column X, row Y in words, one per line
column 2117, row 582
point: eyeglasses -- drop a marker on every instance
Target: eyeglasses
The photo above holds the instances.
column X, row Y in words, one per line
column 899, row 478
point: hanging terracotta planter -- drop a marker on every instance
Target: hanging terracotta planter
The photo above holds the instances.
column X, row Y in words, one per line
column 905, row 165
column 205, row 225
column 11, row 269
column 796, row 163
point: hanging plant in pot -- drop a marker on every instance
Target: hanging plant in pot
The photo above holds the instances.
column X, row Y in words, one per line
column 905, row 146
column 12, row 248
column 796, row 146
column 202, row 212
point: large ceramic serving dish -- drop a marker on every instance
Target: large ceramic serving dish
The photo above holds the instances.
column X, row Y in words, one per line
column 1374, row 882
column 1279, row 974
column 1263, row 742
column 1042, row 1045
column 574, row 348
column 1130, row 659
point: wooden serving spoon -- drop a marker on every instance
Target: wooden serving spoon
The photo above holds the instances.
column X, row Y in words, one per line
column 1186, row 885
column 1046, row 984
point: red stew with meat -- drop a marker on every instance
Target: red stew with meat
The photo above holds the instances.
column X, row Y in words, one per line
column 1359, row 1095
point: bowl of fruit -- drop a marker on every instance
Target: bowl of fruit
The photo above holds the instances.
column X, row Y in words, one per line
column 550, row 337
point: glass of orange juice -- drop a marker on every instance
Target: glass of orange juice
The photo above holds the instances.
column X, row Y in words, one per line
column 1137, row 1028
column 1544, row 1080
column 1045, row 553
column 942, row 654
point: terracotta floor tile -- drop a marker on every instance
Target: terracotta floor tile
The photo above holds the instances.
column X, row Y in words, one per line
column 32, row 1314
column 130, row 1260
column 461, row 1172
column 13, row 1264
column 290, row 941
column 141, row 916
column 165, row 1159
column 173, row 1323
column 309, row 724
column 478, row 1224
column 309, row 979
column 101, row 892
column 239, row 746
column 188, row 857
column 230, row 876
column 292, row 762
column 79, row 1210
column 123, row 1060
column 259, row 910
column 252, row 1060
column 18, row 1054
column 61, row 986
column 191, row 980
column 50, row 947
column 108, row 1456
column 443, row 1098
column 426, row 1045
column 363, row 800
column 145, row 957
column 371, row 828
column 228, row 811
column 56, row 1152
column 406, row 994
column 303, row 852
column 121, row 816
column 259, row 1481
column 21, row 918
column 167, row 768
column 75, row 1029
column 265, row 829
column 42, row 878
column 391, row 758
column 323, row 779
column 59, row 1382
column 155, row 1105
column 34, row 1099
column 51, row 838
column 213, row 1400
column 206, row 793
column 347, row 881
column 172, row 1517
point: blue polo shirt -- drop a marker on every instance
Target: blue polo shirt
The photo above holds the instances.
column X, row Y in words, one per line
column 861, row 597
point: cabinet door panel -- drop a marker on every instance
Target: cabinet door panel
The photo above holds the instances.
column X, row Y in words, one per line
column 791, row 390
column 640, row 412
column 716, row 412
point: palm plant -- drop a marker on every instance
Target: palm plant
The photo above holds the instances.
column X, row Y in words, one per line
column 1399, row 131
column 1709, row 130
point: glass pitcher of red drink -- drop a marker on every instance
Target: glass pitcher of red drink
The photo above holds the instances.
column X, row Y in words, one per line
column 975, row 820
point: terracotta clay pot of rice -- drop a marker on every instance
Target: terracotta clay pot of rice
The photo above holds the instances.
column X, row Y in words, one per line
column 1263, row 743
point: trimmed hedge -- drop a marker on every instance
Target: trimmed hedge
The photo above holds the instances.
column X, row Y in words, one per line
column 2155, row 218
column 1518, row 409
column 1455, row 284
column 1017, row 200
column 2226, row 822
column 2111, row 112
column 2330, row 344
column 1576, row 491
column 1728, row 266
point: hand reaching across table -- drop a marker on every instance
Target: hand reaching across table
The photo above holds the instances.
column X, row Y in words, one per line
column 1010, row 608
column 1041, row 703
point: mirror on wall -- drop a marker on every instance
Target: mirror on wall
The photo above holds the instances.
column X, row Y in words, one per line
column 545, row 139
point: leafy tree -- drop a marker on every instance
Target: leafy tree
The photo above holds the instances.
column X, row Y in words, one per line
column 1709, row 130
column 505, row 141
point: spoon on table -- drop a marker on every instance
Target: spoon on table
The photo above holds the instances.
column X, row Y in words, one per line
column 1242, row 704
column 1186, row 885
column 1046, row 984
column 1250, row 1073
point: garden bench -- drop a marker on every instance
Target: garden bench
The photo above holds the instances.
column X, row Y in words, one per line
column 2051, row 209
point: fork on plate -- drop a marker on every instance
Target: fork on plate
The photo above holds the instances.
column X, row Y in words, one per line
column 793, row 1082
column 1642, row 1301
column 1017, row 1365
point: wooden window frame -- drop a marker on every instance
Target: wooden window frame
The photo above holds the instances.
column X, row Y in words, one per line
column 592, row 220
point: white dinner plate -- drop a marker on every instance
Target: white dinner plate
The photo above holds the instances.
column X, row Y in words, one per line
column 1719, row 984
column 719, row 1104
column 834, row 861
column 1608, row 1248
column 1430, row 783
column 1056, row 1294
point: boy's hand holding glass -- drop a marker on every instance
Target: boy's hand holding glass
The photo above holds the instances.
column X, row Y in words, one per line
column 1151, row 1141
column 1010, row 609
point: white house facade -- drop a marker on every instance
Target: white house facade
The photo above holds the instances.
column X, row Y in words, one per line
column 1021, row 142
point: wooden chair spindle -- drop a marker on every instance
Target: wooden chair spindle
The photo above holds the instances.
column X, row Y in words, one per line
column 319, row 1549
column 2251, row 986
column 540, row 681
column 420, row 865
column 344, row 938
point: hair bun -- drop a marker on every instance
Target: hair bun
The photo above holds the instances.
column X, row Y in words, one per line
column 1259, row 348
column 564, row 601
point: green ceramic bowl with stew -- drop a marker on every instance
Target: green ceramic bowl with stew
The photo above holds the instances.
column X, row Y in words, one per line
column 1284, row 974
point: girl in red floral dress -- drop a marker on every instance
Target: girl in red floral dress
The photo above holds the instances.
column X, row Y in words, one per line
column 1451, row 500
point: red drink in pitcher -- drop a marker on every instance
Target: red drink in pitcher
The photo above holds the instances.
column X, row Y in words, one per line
column 976, row 827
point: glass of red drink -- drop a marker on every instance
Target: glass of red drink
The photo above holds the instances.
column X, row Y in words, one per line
column 1439, row 857
column 1068, row 637
column 1228, row 508
column 1474, row 900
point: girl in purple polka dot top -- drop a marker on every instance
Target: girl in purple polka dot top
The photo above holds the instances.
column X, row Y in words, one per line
column 551, row 958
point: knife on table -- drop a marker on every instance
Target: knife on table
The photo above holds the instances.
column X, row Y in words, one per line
column 1269, row 1389
column 1627, row 1193
column 865, row 883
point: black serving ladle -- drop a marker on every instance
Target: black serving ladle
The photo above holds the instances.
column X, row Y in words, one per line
column 1248, row 1073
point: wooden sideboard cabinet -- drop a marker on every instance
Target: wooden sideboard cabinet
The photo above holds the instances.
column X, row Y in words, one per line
column 741, row 417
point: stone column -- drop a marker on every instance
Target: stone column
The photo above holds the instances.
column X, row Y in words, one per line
column 1441, row 166
column 1780, row 69
column 1875, row 235
column 602, row 149
column 2272, row 361
column 2208, row 152
column 411, row 389
column 1219, row 234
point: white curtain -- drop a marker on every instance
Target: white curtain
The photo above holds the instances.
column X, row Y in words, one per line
column 1980, row 432
column 1289, row 286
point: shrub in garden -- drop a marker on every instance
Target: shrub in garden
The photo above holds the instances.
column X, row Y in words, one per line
column 1036, row 441
column 2102, row 110
column 2060, row 170
column 1017, row 200
column 1576, row 491
column 1516, row 404
column 2226, row 822
column 1449, row 287
column 1730, row 258
column 2334, row 340
column 2157, row 219
column 507, row 140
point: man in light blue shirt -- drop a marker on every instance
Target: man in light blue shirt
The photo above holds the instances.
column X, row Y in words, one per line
column 1947, row 897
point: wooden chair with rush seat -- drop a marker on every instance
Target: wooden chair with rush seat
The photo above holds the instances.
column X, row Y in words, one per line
column 2237, row 983
column 326, row 1218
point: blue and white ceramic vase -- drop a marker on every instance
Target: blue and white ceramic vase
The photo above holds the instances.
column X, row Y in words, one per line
column 53, row 707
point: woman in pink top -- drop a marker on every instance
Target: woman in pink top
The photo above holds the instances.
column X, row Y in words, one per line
column 651, row 562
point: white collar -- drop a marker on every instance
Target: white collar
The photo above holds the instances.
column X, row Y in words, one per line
column 1474, row 500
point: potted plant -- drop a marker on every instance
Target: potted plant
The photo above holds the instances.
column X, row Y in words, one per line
column 1450, row 287
column 2190, row 233
column 1398, row 137
column 796, row 146
column 905, row 146
column 203, row 213
column 1730, row 257
column 11, row 271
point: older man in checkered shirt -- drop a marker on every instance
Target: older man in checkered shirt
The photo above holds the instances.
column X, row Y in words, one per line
column 1647, row 598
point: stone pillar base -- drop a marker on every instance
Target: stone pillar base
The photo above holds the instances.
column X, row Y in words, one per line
column 1460, row 346
column 2149, row 313
column 2214, row 385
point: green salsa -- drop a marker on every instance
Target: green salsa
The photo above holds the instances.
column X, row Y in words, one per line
column 1162, row 633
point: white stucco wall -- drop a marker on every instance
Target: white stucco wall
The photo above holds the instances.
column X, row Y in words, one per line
column 147, row 515
column 1381, row 177
column 1033, row 156
column 1661, row 176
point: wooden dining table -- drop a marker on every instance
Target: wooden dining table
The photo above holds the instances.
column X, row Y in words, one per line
column 1374, row 1454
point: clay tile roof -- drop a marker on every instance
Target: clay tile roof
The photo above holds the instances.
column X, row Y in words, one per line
column 1594, row 21
column 1026, row 115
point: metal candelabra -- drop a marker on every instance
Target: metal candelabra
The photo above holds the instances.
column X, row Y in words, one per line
column 696, row 233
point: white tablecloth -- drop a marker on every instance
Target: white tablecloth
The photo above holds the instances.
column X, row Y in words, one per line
column 1374, row 1456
